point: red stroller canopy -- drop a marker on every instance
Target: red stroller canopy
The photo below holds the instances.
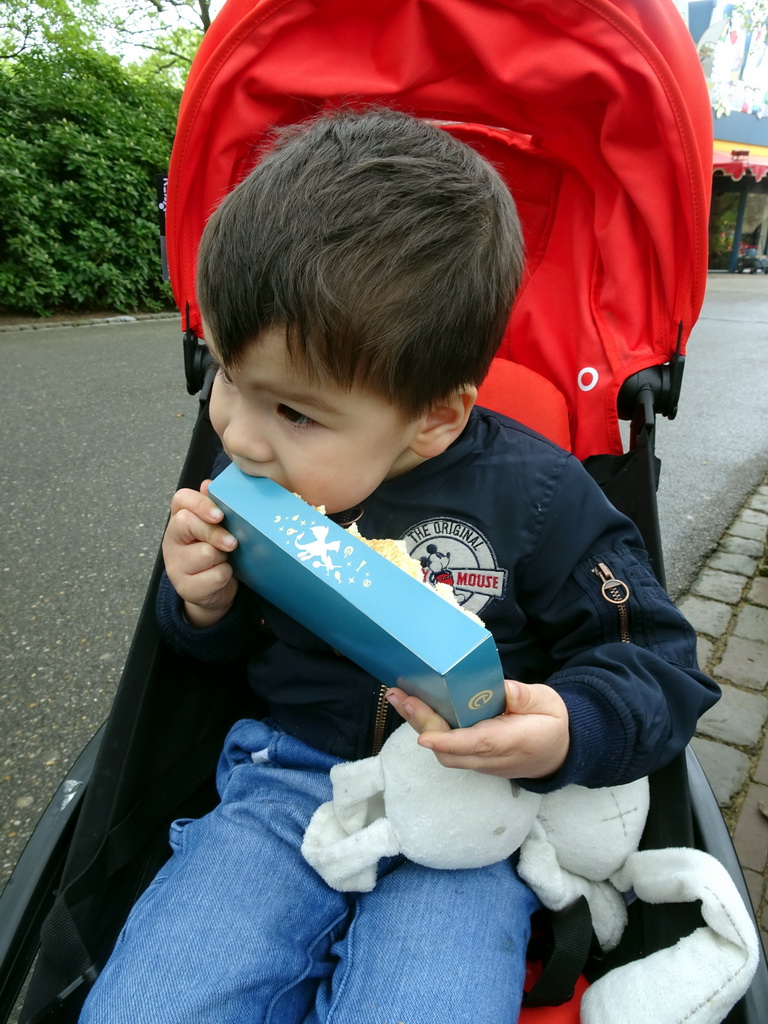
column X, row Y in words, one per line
column 596, row 113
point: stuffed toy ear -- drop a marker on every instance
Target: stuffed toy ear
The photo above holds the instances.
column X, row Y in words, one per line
column 347, row 862
column 347, row 836
column 698, row 980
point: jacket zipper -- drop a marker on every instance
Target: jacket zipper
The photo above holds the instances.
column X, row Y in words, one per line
column 616, row 592
column 380, row 721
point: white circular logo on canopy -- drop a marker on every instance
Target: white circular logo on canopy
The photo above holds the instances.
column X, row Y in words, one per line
column 588, row 378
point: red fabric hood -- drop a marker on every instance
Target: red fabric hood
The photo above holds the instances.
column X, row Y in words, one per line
column 599, row 119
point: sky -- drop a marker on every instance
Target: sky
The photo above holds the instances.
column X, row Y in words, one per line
column 169, row 18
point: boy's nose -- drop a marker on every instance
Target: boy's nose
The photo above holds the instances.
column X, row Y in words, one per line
column 243, row 438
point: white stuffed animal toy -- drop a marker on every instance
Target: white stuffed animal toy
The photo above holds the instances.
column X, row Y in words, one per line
column 405, row 801
column 573, row 842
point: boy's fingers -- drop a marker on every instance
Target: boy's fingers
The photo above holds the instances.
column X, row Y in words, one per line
column 532, row 699
column 198, row 558
column 186, row 527
column 529, row 740
column 198, row 503
column 199, row 587
column 194, row 517
column 419, row 715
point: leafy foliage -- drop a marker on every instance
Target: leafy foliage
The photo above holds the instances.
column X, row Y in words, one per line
column 169, row 55
column 81, row 140
column 47, row 24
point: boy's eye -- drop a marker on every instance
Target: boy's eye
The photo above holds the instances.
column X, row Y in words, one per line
column 297, row 419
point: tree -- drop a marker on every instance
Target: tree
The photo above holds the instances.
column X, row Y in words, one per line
column 167, row 31
column 199, row 12
column 163, row 35
column 169, row 55
column 46, row 25
column 81, row 140
column 86, row 124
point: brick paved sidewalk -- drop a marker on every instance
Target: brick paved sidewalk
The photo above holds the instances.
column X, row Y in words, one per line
column 728, row 606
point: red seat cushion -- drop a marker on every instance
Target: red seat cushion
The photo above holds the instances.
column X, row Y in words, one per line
column 526, row 396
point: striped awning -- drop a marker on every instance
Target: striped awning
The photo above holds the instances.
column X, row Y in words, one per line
column 735, row 163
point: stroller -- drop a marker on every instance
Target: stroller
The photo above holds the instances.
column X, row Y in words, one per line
column 596, row 114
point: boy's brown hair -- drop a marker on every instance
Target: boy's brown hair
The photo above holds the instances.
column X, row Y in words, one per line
column 391, row 251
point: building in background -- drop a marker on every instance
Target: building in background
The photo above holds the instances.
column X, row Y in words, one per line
column 732, row 40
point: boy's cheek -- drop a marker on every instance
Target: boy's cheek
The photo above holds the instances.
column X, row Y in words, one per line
column 218, row 421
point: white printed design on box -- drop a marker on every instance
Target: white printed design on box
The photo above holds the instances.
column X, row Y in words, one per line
column 342, row 566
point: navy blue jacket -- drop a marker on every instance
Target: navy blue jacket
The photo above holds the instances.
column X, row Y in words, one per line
column 528, row 542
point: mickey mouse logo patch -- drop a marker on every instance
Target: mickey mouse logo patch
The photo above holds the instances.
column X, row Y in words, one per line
column 453, row 552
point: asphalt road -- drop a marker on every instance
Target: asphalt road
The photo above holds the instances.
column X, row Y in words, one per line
column 94, row 427
column 95, row 423
column 716, row 450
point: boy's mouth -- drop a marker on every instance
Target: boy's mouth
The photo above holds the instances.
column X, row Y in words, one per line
column 258, row 470
column 246, row 466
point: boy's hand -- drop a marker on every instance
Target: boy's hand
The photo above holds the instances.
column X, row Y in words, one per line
column 528, row 741
column 195, row 551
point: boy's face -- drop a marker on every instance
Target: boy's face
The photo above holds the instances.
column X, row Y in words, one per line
column 333, row 447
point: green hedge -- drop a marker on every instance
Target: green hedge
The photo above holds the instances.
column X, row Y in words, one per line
column 81, row 141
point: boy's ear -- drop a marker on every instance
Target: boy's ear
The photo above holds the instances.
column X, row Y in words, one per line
column 440, row 427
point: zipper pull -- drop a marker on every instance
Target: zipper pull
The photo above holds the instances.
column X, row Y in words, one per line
column 616, row 592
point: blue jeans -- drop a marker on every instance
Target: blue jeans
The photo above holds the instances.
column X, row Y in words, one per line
column 238, row 928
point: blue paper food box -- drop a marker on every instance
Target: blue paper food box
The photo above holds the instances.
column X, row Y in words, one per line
column 390, row 624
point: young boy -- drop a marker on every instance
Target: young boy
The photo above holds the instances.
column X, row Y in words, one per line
column 354, row 290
